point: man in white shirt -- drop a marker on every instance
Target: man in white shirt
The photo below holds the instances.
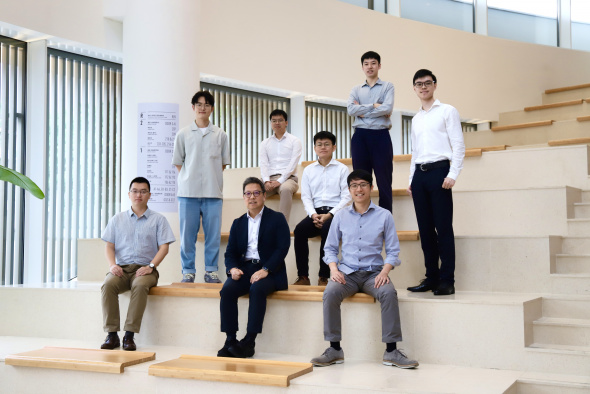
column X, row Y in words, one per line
column 279, row 156
column 438, row 151
column 201, row 152
column 324, row 192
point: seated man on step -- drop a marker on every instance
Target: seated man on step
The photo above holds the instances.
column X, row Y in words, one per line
column 364, row 229
column 258, row 243
column 137, row 242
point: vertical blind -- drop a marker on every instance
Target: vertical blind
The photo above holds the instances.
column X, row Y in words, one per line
column 83, row 155
column 324, row 117
column 244, row 116
column 407, row 132
column 12, row 155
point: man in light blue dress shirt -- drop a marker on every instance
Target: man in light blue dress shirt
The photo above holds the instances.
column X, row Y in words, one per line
column 136, row 243
column 364, row 230
column 371, row 104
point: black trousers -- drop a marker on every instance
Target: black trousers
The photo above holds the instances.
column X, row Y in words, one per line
column 434, row 212
column 258, row 291
column 303, row 232
column 372, row 151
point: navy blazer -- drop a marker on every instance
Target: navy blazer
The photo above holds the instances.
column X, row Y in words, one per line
column 274, row 240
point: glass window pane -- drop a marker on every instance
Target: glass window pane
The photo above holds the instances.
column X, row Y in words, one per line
column 581, row 24
column 456, row 14
column 523, row 20
column 360, row 3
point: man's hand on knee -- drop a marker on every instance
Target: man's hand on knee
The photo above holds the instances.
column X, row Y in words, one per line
column 336, row 275
column 144, row 271
column 236, row 273
column 116, row 270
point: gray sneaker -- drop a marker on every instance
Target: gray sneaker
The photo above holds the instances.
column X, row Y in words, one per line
column 330, row 356
column 211, row 277
column 188, row 278
column 398, row 359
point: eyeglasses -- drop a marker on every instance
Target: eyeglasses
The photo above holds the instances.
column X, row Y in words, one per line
column 142, row 192
column 325, row 144
column 256, row 193
column 277, row 121
column 201, row 105
column 355, row 186
column 427, row 84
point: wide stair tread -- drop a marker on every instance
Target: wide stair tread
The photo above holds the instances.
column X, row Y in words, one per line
column 563, row 349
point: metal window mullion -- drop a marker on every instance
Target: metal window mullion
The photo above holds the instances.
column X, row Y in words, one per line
column 20, row 154
column 4, row 119
column 9, row 203
column 118, row 117
column 102, row 152
column 76, row 109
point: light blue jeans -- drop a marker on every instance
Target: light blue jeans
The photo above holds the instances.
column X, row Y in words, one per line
column 190, row 211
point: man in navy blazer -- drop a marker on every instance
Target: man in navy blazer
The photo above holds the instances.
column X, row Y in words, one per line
column 255, row 260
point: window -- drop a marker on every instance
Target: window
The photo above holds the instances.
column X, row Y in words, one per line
column 456, row 14
column 407, row 132
column 324, row 117
column 580, row 24
column 13, row 62
column 528, row 21
column 83, row 155
column 377, row 5
column 244, row 115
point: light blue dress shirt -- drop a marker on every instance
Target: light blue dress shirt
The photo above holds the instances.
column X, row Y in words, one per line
column 363, row 237
column 137, row 239
column 373, row 118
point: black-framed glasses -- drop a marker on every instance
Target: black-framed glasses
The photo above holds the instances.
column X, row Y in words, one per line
column 426, row 84
column 143, row 192
column 255, row 193
column 355, row 186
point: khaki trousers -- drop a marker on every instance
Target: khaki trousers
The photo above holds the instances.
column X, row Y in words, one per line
column 114, row 285
column 285, row 191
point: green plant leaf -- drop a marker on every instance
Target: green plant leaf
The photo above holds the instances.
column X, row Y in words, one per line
column 20, row 180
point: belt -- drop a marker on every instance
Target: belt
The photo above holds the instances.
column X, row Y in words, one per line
column 323, row 208
column 432, row 166
column 253, row 261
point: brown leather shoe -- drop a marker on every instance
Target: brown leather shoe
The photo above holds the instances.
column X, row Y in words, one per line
column 322, row 281
column 111, row 342
column 302, row 281
column 128, row 344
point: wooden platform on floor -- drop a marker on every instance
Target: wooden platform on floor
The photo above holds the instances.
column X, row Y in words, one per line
column 211, row 290
column 224, row 369
column 90, row 360
column 402, row 235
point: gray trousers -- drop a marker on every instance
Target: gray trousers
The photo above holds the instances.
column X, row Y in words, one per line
column 361, row 281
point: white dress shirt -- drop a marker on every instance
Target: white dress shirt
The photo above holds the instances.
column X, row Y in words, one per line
column 324, row 187
column 279, row 156
column 253, row 229
column 437, row 135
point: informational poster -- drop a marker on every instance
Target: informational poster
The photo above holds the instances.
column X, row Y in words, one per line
column 157, row 124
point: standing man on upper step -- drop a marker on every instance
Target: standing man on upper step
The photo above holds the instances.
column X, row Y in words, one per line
column 371, row 104
column 201, row 152
column 438, row 151
column 279, row 155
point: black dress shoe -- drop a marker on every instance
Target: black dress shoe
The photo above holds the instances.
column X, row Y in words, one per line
column 111, row 342
column 224, row 351
column 445, row 289
column 425, row 285
column 128, row 344
column 242, row 349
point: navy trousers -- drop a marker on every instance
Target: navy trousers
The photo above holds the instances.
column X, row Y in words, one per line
column 372, row 151
column 303, row 231
column 434, row 212
column 258, row 291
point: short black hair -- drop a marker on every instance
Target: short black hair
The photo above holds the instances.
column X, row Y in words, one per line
column 203, row 93
column 423, row 73
column 278, row 112
column 139, row 179
column 360, row 174
column 325, row 135
column 251, row 180
column 371, row 55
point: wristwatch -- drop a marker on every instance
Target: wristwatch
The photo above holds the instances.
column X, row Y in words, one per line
column 264, row 268
column 152, row 266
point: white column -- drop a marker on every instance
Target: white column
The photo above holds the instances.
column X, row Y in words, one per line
column 297, row 120
column 35, row 165
column 564, row 21
column 480, row 9
column 394, row 7
column 161, row 65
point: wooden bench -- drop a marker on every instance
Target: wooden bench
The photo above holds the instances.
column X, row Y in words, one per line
column 523, row 125
column 211, row 290
column 374, row 193
column 571, row 141
column 583, row 118
column 402, row 235
column 566, row 88
column 224, row 369
column 554, row 105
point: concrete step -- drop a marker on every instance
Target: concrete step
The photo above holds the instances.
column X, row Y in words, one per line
column 562, row 331
column 582, row 210
column 579, row 227
column 575, row 245
column 572, row 307
column 572, row 264
column 582, row 92
column 586, row 196
column 559, row 113
column 552, row 356
column 570, row 284
column 540, row 386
